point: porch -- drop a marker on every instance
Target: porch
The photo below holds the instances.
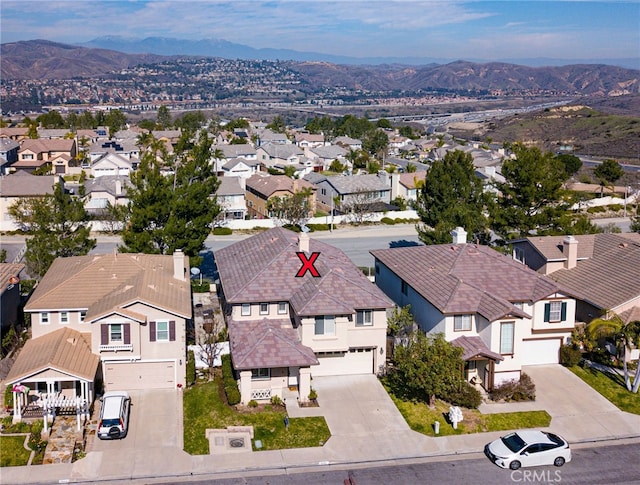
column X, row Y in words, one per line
column 479, row 362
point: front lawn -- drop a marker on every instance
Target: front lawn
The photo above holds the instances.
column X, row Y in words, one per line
column 421, row 418
column 205, row 407
column 12, row 452
column 610, row 386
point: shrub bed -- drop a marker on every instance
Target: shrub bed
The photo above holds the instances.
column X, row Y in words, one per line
column 513, row 390
column 569, row 355
column 230, row 385
column 222, row 231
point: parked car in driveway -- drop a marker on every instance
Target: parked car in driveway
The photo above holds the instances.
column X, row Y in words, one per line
column 114, row 415
column 528, row 448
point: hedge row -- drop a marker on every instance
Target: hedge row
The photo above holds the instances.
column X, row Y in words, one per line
column 229, row 381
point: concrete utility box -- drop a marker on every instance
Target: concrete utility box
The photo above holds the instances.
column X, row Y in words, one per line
column 234, row 439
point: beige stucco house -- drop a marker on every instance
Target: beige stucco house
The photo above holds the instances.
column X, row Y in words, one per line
column 287, row 325
column 503, row 314
column 116, row 321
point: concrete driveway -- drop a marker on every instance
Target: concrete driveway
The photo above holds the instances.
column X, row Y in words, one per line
column 578, row 412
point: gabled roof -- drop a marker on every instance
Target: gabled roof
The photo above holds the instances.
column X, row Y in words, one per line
column 108, row 184
column 267, row 185
column 111, row 159
column 475, row 347
column 264, row 343
column 409, row 179
column 7, row 272
column 44, row 145
column 329, row 151
column 241, row 150
column 230, row 186
column 352, row 184
column 64, row 350
column 263, row 268
column 24, row 184
column 282, row 150
column 108, row 283
column 611, row 276
column 467, row 278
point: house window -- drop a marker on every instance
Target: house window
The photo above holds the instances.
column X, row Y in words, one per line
column 404, row 287
column 115, row 332
column 282, row 308
column 461, row 323
column 518, row 255
column 506, row 337
column 325, row 325
column 246, row 309
column 44, row 318
column 260, row 374
column 364, row 318
column 555, row 311
column 64, row 317
column 83, row 315
column 264, row 309
column 162, row 331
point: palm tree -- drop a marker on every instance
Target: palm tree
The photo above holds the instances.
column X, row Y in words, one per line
column 626, row 336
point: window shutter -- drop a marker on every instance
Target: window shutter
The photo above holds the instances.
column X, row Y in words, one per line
column 172, row 330
column 563, row 311
column 152, row 331
column 104, row 334
column 127, row 333
column 547, row 312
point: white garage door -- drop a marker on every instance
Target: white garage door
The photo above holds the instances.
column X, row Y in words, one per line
column 541, row 351
column 139, row 375
column 355, row 361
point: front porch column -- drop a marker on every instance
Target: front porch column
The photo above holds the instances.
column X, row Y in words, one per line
column 17, row 406
column 304, row 383
column 245, row 386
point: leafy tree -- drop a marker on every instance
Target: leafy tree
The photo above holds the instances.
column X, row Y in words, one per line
column 57, row 225
column 321, row 125
column 115, row 120
column 400, row 323
column 375, row 142
column 52, row 119
column 147, row 124
column 191, row 121
column 626, row 337
column 169, row 213
column 530, row 200
column 237, row 123
column 353, row 127
column 411, row 167
column 277, row 125
column 238, row 140
column 3, row 255
column 293, row 210
column 337, row 167
column 373, row 167
column 452, row 196
column 384, row 124
column 163, row 118
column 635, row 220
column 607, row 173
column 428, row 367
column 408, row 132
column 571, row 163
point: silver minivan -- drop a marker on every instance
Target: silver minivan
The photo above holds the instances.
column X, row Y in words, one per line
column 114, row 415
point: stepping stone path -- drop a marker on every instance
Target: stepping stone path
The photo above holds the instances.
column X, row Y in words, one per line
column 62, row 440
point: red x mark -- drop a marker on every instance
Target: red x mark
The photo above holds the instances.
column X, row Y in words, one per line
column 307, row 264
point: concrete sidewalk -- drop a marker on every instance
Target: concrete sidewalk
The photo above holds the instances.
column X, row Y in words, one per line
column 366, row 427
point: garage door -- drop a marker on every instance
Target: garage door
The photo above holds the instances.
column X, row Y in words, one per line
column 541, row 351
column 139, row 375
column 355, row 361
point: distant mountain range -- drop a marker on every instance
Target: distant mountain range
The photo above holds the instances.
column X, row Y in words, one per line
column 221, row 48
column 41, row 59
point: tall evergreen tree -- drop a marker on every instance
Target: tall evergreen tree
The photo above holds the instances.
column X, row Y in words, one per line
column 530, row 201
column 57, row 225
column 452, row 196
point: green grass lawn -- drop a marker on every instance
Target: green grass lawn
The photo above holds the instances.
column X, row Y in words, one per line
column 421, row 418
column 205, row 407
column 610, row 386
column 12, row 452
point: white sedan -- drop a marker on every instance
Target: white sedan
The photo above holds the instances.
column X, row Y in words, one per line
column 528, row 448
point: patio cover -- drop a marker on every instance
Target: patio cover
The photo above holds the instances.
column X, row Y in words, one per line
column 474, row 347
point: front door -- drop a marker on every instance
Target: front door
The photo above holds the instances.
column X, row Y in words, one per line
column 294, row 373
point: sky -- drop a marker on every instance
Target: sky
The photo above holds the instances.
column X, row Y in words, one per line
column 491, row 30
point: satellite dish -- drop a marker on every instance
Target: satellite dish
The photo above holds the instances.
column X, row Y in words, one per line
column 195, row 271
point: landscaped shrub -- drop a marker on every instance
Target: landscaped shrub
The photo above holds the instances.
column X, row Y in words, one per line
column 467, row 396
column 35, row 438
column 292, row 227
column 197, row 287
column 514, row 390
column 601, row 355
column 388, row 220
column 569, row 355
column 222, row 231
column 276, row 401
column 319, row 227
column 229, row 381
column 253, row 403
column 313, row 395
column 191, row 368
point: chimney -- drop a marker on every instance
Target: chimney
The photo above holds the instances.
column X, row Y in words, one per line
column 179, row 270
column 303, row 242
column 459, row 235
column 570, row 250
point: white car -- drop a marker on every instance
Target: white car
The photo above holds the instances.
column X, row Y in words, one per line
column 528, row 448
column 114, row 415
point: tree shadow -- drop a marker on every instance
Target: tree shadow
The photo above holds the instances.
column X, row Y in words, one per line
column 403, row 243
column 208, row 267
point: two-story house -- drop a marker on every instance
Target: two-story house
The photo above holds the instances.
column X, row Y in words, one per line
column 298, row 308
column 260, row 188
column 8, row 154
column 271, row 154
column 33, row 154
column 116, row 321
column 345, row 191
column 112, row 164
column 231, row 198
column 502, row 314
column 19, row 185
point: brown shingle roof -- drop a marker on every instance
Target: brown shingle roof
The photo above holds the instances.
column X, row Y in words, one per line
column 474, row 347
column 466, row 278
column 8, row 271
column 64, row 350
column 110, row 282
column 267, row 343
column 23, row 184
column 269, row 184
column 263, row 268
column 611, row 276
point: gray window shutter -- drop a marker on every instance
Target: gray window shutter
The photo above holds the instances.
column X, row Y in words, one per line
column 172, row 330
column 127, row 333
column 104, row 334
column 547, row 312
column 152, row 331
